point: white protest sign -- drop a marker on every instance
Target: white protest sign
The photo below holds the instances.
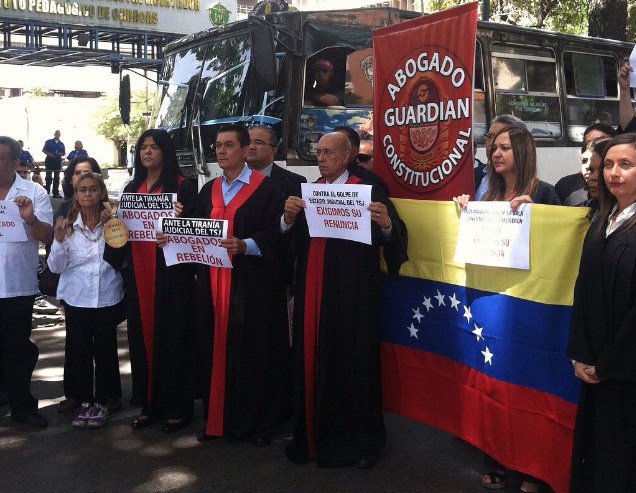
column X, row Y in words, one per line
column 195, row 241
column 338, row 211
column 11, row 224
column 490, row 233
column 142, row 212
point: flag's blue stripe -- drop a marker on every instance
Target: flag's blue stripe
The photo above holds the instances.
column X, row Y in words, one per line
column 527, row 339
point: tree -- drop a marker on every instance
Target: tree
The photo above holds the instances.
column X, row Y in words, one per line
column 608, row 19
column 108, row 121
column 559, row 15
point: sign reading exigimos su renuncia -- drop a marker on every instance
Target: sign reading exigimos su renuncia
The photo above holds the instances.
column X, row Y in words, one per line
column 423, row 104
column 165, row 16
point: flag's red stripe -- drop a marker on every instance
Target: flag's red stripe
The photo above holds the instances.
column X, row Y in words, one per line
column 523, row 428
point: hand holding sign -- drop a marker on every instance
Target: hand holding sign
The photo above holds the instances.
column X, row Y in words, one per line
column 293, row 205
column 379, row 214
column 25, row 207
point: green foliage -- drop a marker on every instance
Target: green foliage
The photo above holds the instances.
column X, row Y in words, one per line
column 569, row 16
column 37, row 92
column 108, row 121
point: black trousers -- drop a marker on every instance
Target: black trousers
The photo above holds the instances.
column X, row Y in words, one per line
column 19, row 354
column 52, row 175
column 91, row 349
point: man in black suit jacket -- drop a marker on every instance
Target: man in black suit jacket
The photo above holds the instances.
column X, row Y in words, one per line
column 261, row 157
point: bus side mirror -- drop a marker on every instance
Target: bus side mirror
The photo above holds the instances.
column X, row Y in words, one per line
column 263, row 59
column 124, row 99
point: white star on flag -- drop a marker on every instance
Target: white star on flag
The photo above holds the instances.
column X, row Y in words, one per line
column 454, row 302
column 417, row 314
column 477, row 332
column 440, row 298
column 467, row 313
column 427, row 303
column 487, row 356
column 414, row 331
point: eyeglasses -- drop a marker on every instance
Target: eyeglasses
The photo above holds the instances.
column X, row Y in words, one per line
column 364, row 158
column 489, row 136
column 260, row 143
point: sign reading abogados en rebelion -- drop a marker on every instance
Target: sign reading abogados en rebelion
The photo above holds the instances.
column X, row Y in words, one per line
column 423, row 104
column 166, row 16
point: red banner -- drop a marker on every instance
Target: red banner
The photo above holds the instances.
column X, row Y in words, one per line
column 423, row 111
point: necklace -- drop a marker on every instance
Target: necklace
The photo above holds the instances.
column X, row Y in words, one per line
column 81, row 230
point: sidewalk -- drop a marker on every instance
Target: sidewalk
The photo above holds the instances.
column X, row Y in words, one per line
column 417, row 458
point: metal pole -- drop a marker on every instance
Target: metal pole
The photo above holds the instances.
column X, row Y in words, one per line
column 485, row 10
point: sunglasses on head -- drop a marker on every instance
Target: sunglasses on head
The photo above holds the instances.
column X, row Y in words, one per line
column 364, row 158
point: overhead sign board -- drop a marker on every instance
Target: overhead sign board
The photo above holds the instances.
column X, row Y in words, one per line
column 165, row 16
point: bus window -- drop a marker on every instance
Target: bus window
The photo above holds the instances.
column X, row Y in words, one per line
column 525, row 86
column 592, row 91
column 479, row 99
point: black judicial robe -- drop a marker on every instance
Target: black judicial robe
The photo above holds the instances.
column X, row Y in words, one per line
column 603, row 334
column 341, row 419
column 160, row 322
column 244, row 343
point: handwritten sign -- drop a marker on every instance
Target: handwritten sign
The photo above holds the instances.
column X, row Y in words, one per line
column 338, row 211
column 142, row 212
column 195, row 241
column 11, row 224
column 490, row 233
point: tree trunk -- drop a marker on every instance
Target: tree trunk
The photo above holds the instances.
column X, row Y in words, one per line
column 608, row 19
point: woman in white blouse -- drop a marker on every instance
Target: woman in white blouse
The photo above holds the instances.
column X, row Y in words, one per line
column 90, row 289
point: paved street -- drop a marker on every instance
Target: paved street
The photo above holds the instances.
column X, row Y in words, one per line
column 417, row 458
column 116, row 458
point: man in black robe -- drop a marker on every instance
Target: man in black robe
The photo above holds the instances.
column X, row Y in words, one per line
column 239, row 311
column 337, row 409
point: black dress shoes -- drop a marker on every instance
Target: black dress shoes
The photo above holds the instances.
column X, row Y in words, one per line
column 261, row 439
column 32, row 418
column 174, row 425
column 202, row 436
column 142, row 422
column 367, row 462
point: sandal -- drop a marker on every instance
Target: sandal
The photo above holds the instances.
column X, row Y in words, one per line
column 497, row 480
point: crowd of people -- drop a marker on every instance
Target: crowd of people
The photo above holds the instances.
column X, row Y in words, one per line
column 229, row 337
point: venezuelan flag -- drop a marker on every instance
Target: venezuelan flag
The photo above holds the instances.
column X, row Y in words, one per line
column 480, row 351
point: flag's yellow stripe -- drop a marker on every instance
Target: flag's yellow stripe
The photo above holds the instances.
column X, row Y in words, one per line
column 556, row 237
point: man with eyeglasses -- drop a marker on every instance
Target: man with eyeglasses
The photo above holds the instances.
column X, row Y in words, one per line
column 241, row 313
column 19, row 283
column 261, row 155
column 337, row 416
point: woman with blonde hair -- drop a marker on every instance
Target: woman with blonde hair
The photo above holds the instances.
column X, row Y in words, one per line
column 91, row 291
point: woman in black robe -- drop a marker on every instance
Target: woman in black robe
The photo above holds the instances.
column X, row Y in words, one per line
column 602, row 343
column 161, row 298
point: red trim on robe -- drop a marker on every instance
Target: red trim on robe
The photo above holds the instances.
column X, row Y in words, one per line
column 144, row 255
column 311, row 318
column 220, row 285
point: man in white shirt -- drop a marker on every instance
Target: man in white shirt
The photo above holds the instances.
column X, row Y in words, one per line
column 19, row 283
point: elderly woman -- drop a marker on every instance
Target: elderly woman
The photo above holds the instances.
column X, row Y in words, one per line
column 513, row 178
column 73, row 171
column 602, row 336
column 91, row 291
column 160, row 298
